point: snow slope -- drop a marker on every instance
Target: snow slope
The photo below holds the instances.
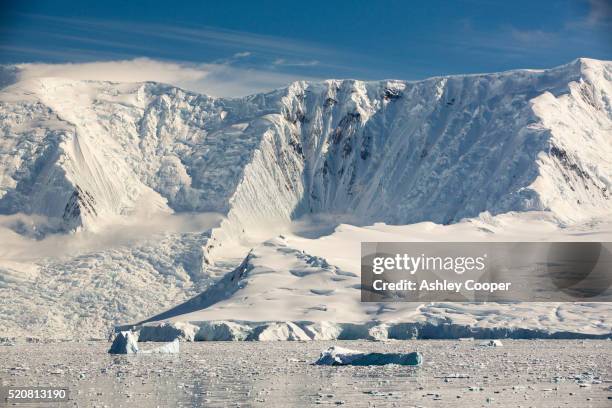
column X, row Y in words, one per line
column 314, row 284
column 84, row 156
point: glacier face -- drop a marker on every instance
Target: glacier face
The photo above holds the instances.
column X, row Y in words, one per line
column 85, row 154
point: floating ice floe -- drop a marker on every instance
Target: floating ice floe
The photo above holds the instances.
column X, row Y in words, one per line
column 126, row 342
column 335, row 356
column 491, row 343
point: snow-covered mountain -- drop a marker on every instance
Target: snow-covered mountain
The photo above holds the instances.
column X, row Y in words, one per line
column 440, row 149
column 83, row 155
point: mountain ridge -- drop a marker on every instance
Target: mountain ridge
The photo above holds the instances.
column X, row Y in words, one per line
column 285, row 113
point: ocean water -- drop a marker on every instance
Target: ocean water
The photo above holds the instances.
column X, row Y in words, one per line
column 528, row 373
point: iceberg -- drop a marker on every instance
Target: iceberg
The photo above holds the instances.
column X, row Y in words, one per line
column 125, row 342
column 336, row 356
column 169, row 348
column 491, row 343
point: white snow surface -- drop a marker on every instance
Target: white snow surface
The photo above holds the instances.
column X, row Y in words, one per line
column 87, row 159
column 291, row 286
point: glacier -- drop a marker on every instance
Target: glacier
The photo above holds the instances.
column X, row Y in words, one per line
column 293, row 287
column 78, row 158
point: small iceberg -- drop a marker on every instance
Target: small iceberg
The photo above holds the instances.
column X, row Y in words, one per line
column 339, row 356
column 169, row 348
column 491, row 343
column 126, row 342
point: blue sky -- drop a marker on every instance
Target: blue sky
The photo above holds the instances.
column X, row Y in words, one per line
column 277, row 41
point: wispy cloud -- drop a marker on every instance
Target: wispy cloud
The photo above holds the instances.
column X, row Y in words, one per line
column 508, row 42
column 227, row 80
column 578, row 35
column 600, row 12
column 65, row 53
column 92, row 29
column 597, row 18
column 224, row 37
column 230, row 62
column 135, row 230
column 212, row 79
column 284, row 62
column 539, row 37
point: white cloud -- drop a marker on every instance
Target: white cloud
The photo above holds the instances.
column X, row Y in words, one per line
column 226, row 80
column 136, row 70
column 221, row 80
column 19, row 247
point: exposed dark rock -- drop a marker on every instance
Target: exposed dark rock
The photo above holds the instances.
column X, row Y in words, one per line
column 80, row 202
column 391, row 94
